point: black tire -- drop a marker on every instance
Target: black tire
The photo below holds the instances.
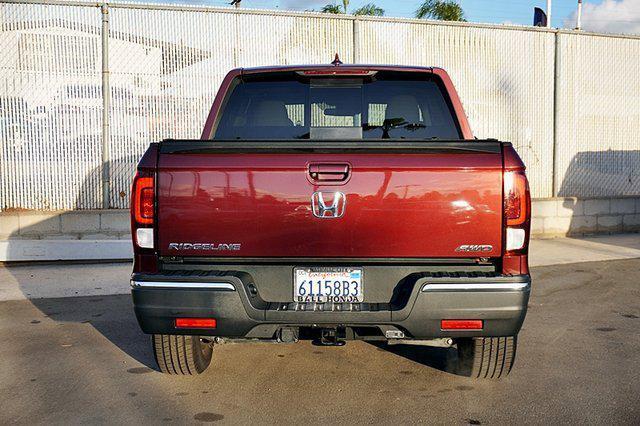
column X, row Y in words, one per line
column 182, row 355
column 486, row 357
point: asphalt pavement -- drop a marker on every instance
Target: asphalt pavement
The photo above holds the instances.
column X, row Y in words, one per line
column 81, row 359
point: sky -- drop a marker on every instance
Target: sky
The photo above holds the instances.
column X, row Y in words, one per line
column 611, row 16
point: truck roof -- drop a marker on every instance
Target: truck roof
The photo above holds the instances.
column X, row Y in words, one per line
column 338, row 68
column 331, row 67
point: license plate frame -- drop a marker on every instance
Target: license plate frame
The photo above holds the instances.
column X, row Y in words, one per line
column 319, row 292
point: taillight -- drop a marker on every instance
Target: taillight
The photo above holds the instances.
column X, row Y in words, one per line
column 143, row 204
column 517, row 209
column 143, row 209
column 516, row 195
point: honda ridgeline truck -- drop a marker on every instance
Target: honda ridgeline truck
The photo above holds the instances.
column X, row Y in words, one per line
column 332, row 203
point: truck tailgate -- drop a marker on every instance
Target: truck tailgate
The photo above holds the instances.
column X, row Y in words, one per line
column 396, row 204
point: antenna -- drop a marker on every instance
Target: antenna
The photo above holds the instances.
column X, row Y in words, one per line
column 336, row 61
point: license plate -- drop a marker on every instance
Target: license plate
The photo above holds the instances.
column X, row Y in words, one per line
column 337, row 285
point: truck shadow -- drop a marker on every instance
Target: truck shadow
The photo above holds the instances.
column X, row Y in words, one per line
column 605, row 175
column 111, row 315
column 602, row 174
column 433, row 357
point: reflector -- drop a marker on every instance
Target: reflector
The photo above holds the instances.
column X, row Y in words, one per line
column 461, row 324
column 196, row 323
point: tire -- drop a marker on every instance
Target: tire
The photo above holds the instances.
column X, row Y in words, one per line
column 181, row 355
column 486, row 357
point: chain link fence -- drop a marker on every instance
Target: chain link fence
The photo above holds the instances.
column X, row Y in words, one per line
column 569, row 102
column 504, row 78
column 598, row 116
column 50, row 107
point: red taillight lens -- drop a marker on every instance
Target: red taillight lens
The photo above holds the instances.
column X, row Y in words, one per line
column 516, row 198
column 196, row 323
column 146, row 203
column 143, row 200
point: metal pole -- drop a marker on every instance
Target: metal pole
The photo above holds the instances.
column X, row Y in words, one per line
column 356, row 41
column 579, row 20
column 106, row 105
column 556, row 96
column 548, row 13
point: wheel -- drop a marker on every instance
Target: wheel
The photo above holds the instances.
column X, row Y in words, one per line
column 486, row 357
column 183, row 355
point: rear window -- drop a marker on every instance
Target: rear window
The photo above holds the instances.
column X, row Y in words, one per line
column 387, row 105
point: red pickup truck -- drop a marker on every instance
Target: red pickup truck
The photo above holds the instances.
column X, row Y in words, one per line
column 332, row 203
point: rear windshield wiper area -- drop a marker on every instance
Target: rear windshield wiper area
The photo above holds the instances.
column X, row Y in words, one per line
column 387, row 127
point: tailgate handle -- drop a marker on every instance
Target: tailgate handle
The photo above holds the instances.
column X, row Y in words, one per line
column 329, row 172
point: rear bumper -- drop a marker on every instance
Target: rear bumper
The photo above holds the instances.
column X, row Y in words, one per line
column 231, row 298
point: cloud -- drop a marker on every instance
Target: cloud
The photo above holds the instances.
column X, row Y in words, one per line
column 610, row 16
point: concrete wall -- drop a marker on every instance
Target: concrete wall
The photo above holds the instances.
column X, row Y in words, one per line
column 65, row 225
column 105, row 234
column 554, row 217
column 65, row 235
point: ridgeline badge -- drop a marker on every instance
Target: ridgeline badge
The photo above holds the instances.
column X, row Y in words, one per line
column 204, row 246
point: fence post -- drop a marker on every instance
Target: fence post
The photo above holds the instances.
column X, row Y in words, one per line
column 556, row 97
column 106, row 105
column 356, row 40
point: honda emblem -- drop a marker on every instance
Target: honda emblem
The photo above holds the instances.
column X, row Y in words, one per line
column 328, row 204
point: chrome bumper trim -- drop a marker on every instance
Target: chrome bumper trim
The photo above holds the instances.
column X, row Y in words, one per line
column 182, row 285
column 525, row 286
